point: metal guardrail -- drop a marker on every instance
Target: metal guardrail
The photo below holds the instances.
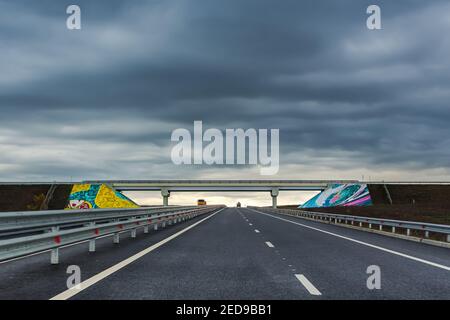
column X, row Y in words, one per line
column 20, row 222
column 34, row 232
column 426, row 228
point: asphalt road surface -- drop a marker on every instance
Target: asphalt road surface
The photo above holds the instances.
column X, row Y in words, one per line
column 238, row 253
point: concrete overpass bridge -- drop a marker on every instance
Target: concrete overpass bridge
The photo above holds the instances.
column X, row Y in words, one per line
column 209, row 185
column 168, row 186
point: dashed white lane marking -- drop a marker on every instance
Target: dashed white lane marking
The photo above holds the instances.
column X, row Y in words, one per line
column 269, row 244
column 256, row 230
column 250, row 224
column 308, row 285
column 437, row 265
column 105, row 273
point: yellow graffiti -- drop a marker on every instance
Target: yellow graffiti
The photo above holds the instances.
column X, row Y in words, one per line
column 87, row 196
column 80, row 187
column 107, row 198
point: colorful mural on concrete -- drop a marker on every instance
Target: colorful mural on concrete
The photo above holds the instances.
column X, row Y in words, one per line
column 341, row 195
column 91, row 196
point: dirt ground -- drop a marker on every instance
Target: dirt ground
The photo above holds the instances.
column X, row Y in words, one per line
column 30, row 197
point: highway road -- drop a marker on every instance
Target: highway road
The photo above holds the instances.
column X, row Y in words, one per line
column 237, row 253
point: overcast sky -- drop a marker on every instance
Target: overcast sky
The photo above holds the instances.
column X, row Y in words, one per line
column 102, row 102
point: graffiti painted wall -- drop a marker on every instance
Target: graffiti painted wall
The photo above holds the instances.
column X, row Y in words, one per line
column 341, row 195
column 91, row 196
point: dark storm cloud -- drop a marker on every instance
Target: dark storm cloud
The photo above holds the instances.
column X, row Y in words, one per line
column 137, row 70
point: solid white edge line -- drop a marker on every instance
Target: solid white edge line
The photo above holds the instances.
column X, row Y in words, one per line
column 308, row 285
column 434, row 264
column 269, row 244
column 105, row 273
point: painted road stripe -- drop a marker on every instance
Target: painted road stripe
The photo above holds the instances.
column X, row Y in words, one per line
column 308, row 285
column 250, row 224
column 437, row 265
column 269, row 244
column 256, row 230
column 102, row 275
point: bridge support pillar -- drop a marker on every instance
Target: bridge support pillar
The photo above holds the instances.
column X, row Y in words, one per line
column 274, row 193
column 165, row 194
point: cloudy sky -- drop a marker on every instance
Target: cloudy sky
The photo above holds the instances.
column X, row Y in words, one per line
column 102, row 102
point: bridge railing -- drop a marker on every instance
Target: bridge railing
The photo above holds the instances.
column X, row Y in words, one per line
column 25, row 233
column 389, row 225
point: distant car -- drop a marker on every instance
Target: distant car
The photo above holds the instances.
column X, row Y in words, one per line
column 238, row 205
column 201, row 202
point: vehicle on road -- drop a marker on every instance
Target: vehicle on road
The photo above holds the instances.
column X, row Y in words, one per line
column 201, row 202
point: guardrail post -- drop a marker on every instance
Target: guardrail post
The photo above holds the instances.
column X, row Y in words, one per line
column 370, row 226
column 133, row 231
column 92, row 241
column 146, row 226
column 408, row 232
column 427, row 234
column 448, row 238
column 54, row 256
column 116, row 238
column 381, row 227
column 92, row 245
column 54, row 253
column 360, row 224
column 393, row 229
